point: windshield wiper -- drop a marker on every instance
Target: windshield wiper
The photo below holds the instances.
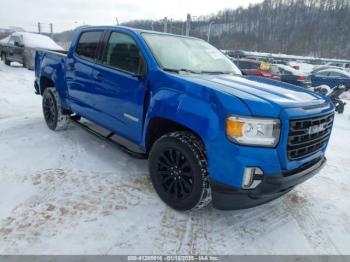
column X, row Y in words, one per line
column 198, row 72
column 181, row 70
column 216, row 72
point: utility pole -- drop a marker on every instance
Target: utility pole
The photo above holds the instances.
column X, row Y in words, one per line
column 209, row 29
column 51, row 30
column 39, row 27
column 188, row 24
column 165, row 24
column 152, row 25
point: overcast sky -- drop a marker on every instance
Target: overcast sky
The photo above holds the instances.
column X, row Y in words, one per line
column 67, row 14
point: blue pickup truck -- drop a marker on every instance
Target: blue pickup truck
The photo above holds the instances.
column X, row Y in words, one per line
column 209, row 133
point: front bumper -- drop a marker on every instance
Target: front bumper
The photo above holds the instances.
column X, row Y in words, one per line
column 273, row 186
column 36, row 88
column 305, row 84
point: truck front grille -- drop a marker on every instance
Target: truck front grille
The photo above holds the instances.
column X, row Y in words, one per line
column 308, row 136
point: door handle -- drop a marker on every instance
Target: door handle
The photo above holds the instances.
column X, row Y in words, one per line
column 98, row 77
column 71, row 66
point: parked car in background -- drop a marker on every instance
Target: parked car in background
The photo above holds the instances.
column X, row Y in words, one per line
column 290, row 75
column 343, row 65
column 331, row 78
column 334, row 94
column 20, row 47
column 256, row 68
column 324, row 67
column 306, row 68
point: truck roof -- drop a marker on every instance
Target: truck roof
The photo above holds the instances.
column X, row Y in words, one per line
column 131, row 29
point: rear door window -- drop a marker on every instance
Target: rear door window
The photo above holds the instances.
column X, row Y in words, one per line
column 88, row 44
column 322, row 73
column 17, row 40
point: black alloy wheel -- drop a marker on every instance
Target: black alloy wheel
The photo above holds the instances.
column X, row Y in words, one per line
column 179, row 172
column 50, row 110
column 176, row 174
column 55, row 117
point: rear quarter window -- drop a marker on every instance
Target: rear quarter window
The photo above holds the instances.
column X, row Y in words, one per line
column 336, row 74
column 88, row 44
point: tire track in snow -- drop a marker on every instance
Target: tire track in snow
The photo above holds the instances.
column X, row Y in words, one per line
column 66, row 198
column 300, row 206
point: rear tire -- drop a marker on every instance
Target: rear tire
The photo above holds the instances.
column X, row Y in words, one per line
column 4, row 58
column 53, row 113
column 178, row 170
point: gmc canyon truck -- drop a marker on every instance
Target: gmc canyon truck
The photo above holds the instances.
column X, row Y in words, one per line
column 209, row 133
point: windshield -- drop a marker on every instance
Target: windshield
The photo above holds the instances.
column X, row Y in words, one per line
column 176, row 53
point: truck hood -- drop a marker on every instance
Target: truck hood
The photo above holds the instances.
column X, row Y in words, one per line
column 265, row 96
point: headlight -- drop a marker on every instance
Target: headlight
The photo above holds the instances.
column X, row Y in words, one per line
column 253, row 131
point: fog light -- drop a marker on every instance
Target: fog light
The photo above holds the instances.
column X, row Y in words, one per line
column 252, row 177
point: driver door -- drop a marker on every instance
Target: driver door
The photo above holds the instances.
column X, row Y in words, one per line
column 17, row 50
column 10, row 48
column 119, row 86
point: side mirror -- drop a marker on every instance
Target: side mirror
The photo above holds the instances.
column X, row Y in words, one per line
column 142, row 69
column 18, row 44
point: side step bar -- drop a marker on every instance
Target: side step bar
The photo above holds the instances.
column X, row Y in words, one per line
column 128, row 147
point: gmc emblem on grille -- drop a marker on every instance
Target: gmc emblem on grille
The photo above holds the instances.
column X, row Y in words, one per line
column 315, row 129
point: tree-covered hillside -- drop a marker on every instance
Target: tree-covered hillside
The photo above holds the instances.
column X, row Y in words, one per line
column 311, row 27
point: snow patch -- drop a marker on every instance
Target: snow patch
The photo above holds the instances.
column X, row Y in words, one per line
column 37, row 41
column 72, row 193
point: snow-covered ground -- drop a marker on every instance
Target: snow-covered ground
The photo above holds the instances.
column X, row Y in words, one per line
column 71, row 193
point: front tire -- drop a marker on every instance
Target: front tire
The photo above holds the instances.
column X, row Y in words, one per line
column 53, row 113
column 24, row 64
column 178, row 170
column 340, row 107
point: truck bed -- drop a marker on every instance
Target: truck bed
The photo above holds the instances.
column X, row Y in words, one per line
column 59, row 52
column 53, row 59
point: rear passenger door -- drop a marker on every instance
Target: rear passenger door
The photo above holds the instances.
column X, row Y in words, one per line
column 119, row 85
column 79, row 65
